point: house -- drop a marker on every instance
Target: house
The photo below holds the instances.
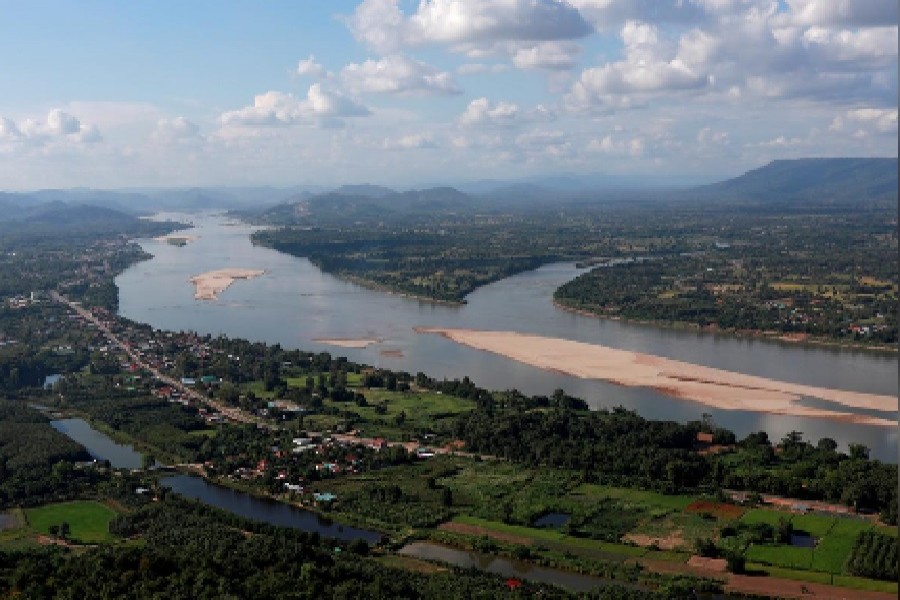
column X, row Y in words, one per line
column 324, row 497
column 704, row 438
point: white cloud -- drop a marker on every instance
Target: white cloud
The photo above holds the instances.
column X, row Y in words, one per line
column 177, row 130
column 843, row 13
column 383, row 26
column 310, row 68
column 481, row 112
column 409, row 142
column 62, row 123
column 397, row 74
column 272, row 109
column 556, row 56
column 58, row 128
column 651, row 66
column 635, row 146
column 9, row 131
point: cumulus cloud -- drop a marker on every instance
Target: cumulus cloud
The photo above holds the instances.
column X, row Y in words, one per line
column 59, row 127
column 651, row 65
column 177, row 130
column 397, row 74
column 409, row 142
column 843, row 13
column 62, row 123
column 274, row 109
column 864, row 121
column 482, row 112
column 556, row 56
column 617, row 145
column 383, row 26
column 9, row 131
column 310, row 68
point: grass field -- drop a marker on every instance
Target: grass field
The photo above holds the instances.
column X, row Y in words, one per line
column 762, row 515
column 782, row 556
column 650, row 500
column 835, row 539
column 88, row 521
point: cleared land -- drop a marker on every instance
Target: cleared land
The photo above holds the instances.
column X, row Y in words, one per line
column 88, row 521
column 712, row 387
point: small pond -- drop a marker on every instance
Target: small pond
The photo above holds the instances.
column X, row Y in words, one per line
column 803, row 540
column 553, row 519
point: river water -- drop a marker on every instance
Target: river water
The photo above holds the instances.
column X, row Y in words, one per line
column 98, row 445
column 295, row 304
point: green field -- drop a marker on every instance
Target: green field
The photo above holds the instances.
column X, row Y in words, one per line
column 88, row 521
column 650, row 500
column 762, row 515
column 835, row 539
column 780, row 555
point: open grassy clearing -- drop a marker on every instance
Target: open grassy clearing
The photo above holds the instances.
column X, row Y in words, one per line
column 88, row 520
column 652, row 500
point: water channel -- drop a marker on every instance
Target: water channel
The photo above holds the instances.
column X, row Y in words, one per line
column 295, row 304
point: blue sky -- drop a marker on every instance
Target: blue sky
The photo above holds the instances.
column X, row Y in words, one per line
column 165, row 93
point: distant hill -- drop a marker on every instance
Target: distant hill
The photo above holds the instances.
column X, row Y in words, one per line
column 384, row 205
column 826, row 181
column 365, row 189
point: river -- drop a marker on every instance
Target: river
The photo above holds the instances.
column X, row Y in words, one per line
column 294, row 304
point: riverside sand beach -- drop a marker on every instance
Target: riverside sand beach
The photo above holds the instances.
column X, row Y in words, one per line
column 717, row 388
column 208, row 286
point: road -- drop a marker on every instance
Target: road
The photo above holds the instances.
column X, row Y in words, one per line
column 228, row 412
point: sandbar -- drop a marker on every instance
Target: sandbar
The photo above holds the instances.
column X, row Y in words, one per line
column 174, row 237
column 208, row 286
column 357, row 343
column 717, row 388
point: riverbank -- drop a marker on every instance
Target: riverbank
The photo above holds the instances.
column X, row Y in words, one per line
column 716, row 388
column 208, row 286
column 790, row 339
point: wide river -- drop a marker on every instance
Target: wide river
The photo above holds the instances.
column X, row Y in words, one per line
column 295, row 304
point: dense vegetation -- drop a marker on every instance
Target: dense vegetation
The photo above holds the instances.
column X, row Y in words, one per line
column 193, row 552
column 36, row 461
column 620, row 447
column 820, row 275
column 874, row 555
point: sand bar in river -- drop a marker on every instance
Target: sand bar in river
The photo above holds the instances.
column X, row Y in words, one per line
column 709, row 386
column 357, row 343
column 208, row 286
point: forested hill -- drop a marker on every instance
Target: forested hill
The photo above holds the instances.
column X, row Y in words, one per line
column 821, row 181
column 358, row 203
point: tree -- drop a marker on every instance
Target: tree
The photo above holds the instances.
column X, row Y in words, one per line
column 147, row 461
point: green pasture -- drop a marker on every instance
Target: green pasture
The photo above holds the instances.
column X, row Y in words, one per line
column 88, row 521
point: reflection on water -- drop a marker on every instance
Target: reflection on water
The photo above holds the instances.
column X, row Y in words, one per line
column 294, row 304
column 264, row 510
column 502, row 566
column 98, row 445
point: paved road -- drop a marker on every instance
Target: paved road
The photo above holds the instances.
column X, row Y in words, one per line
column 230, row 413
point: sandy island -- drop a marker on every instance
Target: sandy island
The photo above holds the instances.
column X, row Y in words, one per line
column 174, row 237
column 357, row 343
column 208, row 286
column 712, row 387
